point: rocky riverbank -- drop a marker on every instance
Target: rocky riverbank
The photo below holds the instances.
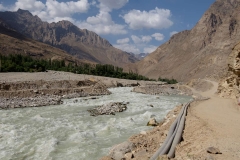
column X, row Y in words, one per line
column 163, row 90
column 44, row 93
column 142, row 146
column 18, row 90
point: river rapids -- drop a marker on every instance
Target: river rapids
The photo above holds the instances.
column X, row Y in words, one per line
column 67, row 131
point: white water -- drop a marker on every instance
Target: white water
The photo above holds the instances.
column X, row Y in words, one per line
column 68, row 132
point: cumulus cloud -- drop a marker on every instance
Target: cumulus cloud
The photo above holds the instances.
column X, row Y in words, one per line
column 123, row 41
column 61, row 9
column 146, row 39
column 136, row 39
column 102, row 24
column 52, row 10
column 31, row 5
column 155, row 19
column 142, row 39
column 128, row 48
column 149, row 49
column 158, row 36
column 172, row 33
column 108, row 5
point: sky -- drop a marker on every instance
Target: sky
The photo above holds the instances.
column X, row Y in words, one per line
column 136, row 26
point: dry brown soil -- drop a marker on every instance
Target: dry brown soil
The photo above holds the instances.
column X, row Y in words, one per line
column 211, row 123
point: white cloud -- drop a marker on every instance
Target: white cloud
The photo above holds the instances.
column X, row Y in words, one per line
column 31, row 5
column 108, row 5
column 146, row 39
column 156, row 19
column 52, row 10
column 123, row 41
column 150, row 49
column 128, row 48
column 172, row 33
column 158, row 36
column 93, row 3
column 143, row 39
column 102, row 24
column 136, row 39
column 66, row 9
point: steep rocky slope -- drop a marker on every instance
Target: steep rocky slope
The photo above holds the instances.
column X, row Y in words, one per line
column 200, row 52
column 83, row 44
column 12, row 42
column 229, row 86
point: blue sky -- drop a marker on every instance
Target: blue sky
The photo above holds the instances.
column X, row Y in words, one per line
column 131, row 25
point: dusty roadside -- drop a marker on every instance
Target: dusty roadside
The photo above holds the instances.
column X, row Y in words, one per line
column 209, row 123
column 212, row 123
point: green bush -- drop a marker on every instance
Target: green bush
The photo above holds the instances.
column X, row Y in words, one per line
column 168, row 81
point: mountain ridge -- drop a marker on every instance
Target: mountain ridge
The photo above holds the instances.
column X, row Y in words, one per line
column 200, row 52
column 12, row 42
column 81, row 43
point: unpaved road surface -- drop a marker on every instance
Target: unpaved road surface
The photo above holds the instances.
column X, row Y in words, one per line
column 211, row 123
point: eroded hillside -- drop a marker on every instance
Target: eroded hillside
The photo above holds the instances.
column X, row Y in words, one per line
column 200, row 52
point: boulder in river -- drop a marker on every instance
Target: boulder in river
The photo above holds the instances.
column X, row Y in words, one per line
column 108, row 109
column 152, row 122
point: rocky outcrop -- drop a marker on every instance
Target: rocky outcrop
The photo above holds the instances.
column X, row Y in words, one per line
column 12, row 42
column 80, row 43
column 108, row 109
column 200, row 52
column 230, row 86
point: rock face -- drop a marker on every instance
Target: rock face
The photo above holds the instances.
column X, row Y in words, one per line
column 230, row 86
column 108, row 109
column 199, row 52
column 12, row 42
column 81, row 43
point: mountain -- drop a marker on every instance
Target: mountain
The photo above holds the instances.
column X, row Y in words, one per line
column 80, row 43
column 199, row 52
column 140, row 56
column 12, row 42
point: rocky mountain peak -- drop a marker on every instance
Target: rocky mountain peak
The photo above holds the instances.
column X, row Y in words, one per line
column 24, row 12
column 64, row 24
column 83, row 44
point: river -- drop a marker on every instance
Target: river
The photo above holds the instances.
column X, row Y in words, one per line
column 68, row 132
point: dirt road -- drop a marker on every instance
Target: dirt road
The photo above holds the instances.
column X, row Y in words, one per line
column 212, row 123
